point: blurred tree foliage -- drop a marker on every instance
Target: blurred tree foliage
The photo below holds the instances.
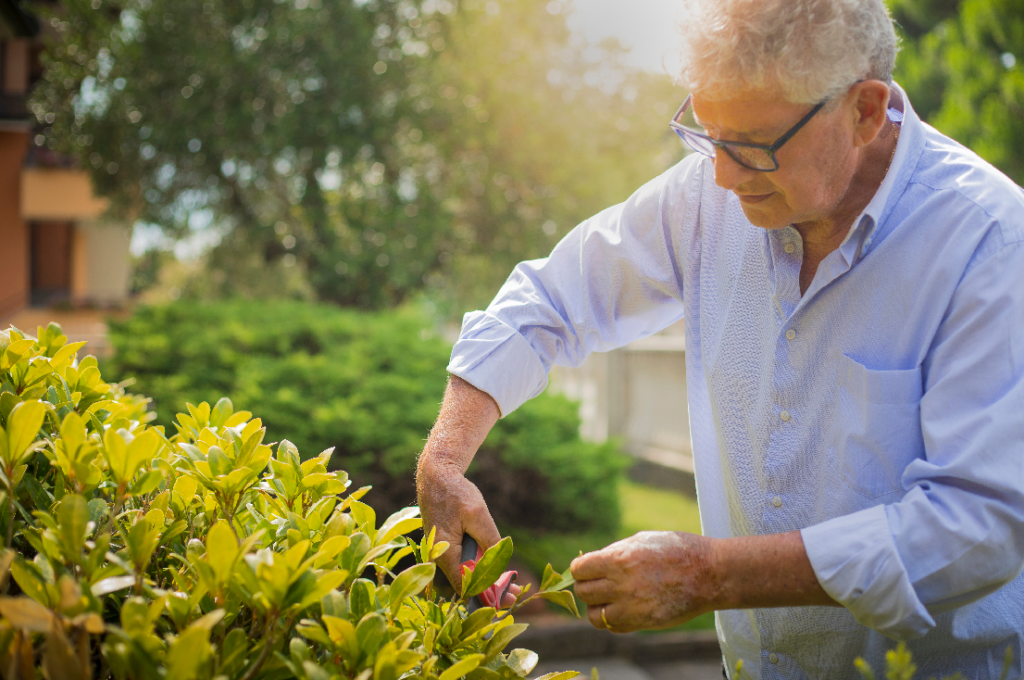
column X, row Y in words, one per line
column 376, row 147
column 963, row 66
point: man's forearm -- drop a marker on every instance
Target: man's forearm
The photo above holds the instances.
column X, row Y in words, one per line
column 765, row 571
column 467, row 415
column 448, row 501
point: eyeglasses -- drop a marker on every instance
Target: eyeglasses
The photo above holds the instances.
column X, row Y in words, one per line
column 759, row 157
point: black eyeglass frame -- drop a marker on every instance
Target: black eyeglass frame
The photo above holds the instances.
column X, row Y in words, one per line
column 770, row 149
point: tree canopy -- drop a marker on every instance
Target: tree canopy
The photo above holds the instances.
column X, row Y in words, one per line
column 376, row 148
column 962, row 64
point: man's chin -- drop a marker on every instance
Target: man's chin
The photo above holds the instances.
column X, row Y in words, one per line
column 764, row 217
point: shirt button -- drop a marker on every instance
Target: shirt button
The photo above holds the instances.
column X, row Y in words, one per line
column 790, row 248
column 791, row 334
column 773, row 657
column 777, row 502
column 785, row 416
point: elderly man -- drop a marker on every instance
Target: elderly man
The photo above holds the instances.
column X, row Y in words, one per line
column 853, row 288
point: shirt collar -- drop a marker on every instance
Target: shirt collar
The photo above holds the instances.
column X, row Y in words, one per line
column 864, row 232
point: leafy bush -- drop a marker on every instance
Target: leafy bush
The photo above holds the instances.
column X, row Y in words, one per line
column 141, row 555
column 367, row 384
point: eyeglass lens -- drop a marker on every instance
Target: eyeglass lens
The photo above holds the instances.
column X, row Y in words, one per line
column 750, row 157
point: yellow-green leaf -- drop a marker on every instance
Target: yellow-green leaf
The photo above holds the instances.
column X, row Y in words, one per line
column 221, row 549
column 25, row 613
column 22, row 427
column 462, row 667
column 410, row 582
column 187, row 653
column 489, row 567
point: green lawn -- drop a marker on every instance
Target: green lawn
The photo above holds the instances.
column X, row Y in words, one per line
column 643, row 508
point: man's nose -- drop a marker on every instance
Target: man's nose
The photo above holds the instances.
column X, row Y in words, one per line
column 728, row 173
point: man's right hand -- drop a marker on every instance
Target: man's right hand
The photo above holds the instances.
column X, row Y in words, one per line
column 454, row 506
column 449, row 501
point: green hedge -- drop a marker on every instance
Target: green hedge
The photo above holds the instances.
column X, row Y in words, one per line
column 199, row 552
column 368, row 384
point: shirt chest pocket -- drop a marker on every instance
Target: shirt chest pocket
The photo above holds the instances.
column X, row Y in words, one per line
column 877, row 431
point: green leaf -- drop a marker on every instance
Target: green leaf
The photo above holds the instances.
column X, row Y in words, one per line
column 410, row 582
column 341, row 631
column 221, row 550
column 560, row 675
column 489, row 567
column 188, row 652
column 477, row 621
column 185, row 488
column 462, row 667
column 142, row 540
column 563, row 598
column 72, row 522
column 26, row 614
column 98, row 510
column 399, row 524
column 522, row 661
column 31, row 582
column 112, row 585
column 146, row 483
column 554, row 581
column 371, row 633
column 22, row 427
column 116, row 452
column 221, row 412
column 501, row 638
column 360, row 597
column 365, row 517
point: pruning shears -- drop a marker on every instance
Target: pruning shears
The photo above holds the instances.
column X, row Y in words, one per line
column 469, row 552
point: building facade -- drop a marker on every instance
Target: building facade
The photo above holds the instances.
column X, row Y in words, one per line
column 55, row 244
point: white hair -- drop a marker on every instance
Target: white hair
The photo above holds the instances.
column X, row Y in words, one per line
column 808, row 50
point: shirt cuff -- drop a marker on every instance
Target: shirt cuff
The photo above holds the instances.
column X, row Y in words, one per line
column 493, row 357
column 856, row 562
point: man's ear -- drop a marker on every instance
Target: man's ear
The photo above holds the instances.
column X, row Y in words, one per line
column 871, row 98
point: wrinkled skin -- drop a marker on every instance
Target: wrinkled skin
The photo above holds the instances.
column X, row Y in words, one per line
column 654, row 579
column 657, row 579
column 448, row 501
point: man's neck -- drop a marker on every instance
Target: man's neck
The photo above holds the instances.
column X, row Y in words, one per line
column 822, row 237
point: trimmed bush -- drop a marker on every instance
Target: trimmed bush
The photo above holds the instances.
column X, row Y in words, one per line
column 138, row 554
column 369, row 385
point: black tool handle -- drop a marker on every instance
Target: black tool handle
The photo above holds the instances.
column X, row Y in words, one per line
column 469, row 550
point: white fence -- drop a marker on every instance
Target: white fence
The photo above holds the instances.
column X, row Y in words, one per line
column 637, row 394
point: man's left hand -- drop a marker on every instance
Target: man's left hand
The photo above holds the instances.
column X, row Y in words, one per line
column 654, row 579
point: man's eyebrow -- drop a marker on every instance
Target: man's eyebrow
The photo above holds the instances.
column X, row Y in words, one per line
column 754, row 132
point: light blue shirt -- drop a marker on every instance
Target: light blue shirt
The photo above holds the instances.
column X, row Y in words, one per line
column 881, row 413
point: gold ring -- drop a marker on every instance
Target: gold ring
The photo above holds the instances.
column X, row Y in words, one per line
column 604, row 620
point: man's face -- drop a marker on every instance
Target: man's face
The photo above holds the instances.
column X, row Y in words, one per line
column 815, row 166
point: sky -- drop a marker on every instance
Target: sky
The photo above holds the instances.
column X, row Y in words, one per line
column 647, row 27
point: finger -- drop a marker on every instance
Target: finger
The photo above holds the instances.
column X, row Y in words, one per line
column 448, row 562
column 594, row 616
column 510, row 596
column 609, row 617
column 593, row 565
column 598, row 591
column 478, row 523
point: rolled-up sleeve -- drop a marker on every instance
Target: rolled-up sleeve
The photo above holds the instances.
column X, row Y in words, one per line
column 958, row 533
column 613, row 279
